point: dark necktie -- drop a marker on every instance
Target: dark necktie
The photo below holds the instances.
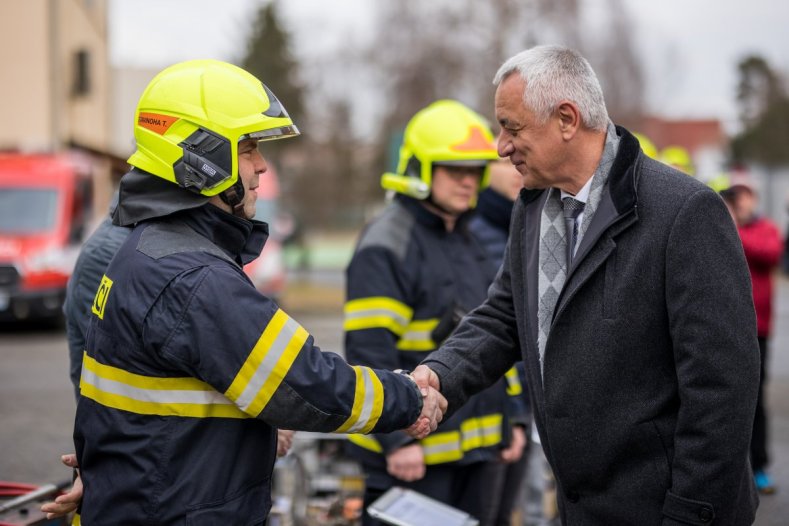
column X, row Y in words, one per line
column 572, row 208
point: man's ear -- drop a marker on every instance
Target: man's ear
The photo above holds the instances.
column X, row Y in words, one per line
column 569, row 119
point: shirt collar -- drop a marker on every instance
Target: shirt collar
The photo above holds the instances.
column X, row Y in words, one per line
column 583, row 193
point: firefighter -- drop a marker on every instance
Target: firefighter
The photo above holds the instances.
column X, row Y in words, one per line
column 415, row 271
column 188, row 369
column 679, row 158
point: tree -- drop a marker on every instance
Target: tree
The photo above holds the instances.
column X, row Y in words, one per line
column 269, row 58
column 764, row 114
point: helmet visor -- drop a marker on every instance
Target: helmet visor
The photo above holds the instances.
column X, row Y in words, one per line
column 274, row 133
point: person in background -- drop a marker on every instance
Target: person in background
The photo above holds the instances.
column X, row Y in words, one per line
column 94, row 256
column 490, row 224
column 625, row 291
column 679, row 158
column 761, row 241
column 415, row 271
column 188, row 370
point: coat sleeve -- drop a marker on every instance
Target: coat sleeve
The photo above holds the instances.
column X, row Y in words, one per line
column 713, row 331
column 377, row 313
column 242, row 344
column 482, row 348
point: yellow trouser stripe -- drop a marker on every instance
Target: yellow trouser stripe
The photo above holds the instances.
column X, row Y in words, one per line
column 367, row 442
column 377, row 312
column 449, row 446
column 267, row 364
column 147, row 395
column 368, row 403
column 418, row 336
column 514, row 387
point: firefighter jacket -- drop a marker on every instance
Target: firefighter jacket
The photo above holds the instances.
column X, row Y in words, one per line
column 408, row 284
column 189, row 370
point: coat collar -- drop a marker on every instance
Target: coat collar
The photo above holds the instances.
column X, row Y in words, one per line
column 429, row 219
column 241, row 239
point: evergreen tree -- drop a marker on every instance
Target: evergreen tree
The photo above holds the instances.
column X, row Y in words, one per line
column 764, row 113
column 269, row 58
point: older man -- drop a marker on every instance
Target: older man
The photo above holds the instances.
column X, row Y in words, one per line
column 625, row 289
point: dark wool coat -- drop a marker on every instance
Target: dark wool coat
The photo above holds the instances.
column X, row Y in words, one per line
column 651, row 366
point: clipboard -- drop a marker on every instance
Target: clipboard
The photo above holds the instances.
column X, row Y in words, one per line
column 405, row 507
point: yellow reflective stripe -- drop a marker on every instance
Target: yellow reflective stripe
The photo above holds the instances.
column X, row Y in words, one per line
column 267, row 365
column 442, row 447
column 368, row 402
column 449, row 446
column 377, row 313
column 146, row 395
column 76, row 521
column 514, row 387
column 418, row 336
column 367, row 442
column 481, row 432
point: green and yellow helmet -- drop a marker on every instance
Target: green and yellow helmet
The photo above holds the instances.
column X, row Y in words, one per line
column 191, row 117
column 647, row 146
column 446, row 132
column 678, row 157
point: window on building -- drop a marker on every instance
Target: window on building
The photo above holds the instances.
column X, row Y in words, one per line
column 81, row 73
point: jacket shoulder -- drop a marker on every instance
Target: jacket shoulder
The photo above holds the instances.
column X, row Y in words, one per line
column 390, row 231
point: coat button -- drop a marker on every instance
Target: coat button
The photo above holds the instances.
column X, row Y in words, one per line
column 572, row 496
column 705, row 515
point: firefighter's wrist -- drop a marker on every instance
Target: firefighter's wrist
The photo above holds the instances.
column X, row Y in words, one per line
column 408, row 375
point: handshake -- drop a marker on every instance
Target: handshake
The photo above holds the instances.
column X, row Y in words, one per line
column 434, row 405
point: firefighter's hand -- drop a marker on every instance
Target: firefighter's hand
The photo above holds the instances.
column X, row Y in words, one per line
column 434, row 405
column 284, row 441
column 67, row 502
column 514, row 451
column 406, row 463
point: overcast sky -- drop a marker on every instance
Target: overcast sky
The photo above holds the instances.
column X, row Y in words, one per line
column 690, row 48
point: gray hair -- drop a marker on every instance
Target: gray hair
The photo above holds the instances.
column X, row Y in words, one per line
column 553, row 74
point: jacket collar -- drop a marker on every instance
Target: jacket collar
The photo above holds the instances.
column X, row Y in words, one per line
column 241, row 239
column 429, row 219
column 496, row 208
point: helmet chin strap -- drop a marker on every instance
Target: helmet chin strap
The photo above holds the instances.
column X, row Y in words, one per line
column 234, row 197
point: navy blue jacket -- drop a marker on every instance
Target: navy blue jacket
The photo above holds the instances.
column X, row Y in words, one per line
column 408, row 284
column 188, row 372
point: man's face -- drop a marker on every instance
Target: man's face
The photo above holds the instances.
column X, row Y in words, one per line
column 454, row 188
column 742, row 204
column 250, row 165
column 534, row 149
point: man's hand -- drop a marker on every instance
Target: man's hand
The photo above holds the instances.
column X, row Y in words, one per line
column 284, row 441
column 434, row 405
column 67, row 502
column 406, row 463
column 514, row 452
column 425, row 377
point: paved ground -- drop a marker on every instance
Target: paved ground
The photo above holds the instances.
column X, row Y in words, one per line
column 36, row 401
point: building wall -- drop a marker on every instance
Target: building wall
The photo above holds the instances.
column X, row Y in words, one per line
column 25, row 101
column 39, row 44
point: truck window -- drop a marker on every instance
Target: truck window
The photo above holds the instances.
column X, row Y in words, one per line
column 27, row 210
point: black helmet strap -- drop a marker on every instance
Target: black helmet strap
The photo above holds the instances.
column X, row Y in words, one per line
column 234, row 197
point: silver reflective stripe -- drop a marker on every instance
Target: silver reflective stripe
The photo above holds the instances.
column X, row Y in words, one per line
column 369, row 398
column 272, row 356
column 157, row 396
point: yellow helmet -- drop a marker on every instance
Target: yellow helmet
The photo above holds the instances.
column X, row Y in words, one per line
column 445, row 132
column 720, row 183
column 678, row 157
column 647, row 146
column 191, row 117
